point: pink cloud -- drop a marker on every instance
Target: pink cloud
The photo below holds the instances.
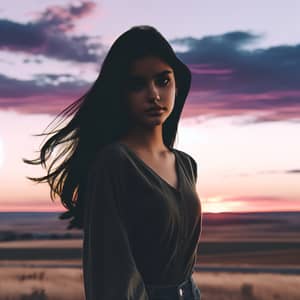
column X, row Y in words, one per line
column 206, row 69
column 61, row 18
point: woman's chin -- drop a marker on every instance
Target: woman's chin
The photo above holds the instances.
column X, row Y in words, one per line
column 154, row 121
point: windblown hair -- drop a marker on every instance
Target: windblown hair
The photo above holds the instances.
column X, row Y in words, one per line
column 97, row 118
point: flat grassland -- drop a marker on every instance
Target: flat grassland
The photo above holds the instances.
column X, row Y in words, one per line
column 29, row 275
column 66, row 284
column 51, row 269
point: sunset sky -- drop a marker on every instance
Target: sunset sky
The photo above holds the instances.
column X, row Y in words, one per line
column 241, row 120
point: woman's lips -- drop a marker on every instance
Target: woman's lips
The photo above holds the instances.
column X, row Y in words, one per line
column 155, row 111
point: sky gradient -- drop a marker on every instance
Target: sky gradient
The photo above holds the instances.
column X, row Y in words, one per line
column 241, row 119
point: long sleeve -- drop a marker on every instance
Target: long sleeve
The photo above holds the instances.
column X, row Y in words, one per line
column 109, row 268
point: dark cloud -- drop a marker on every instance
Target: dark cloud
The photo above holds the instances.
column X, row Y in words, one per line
column 45, row 93
column 49, row 35
column 251, row 71
column 228, row 79
column 233, row 80
column 295, row 171
column 20, row 37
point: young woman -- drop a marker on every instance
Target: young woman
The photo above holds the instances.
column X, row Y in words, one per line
column 123, row 183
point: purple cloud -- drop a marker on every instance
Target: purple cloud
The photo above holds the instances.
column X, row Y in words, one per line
column 44, row 94
column 58, row 18
column 48, row 35
column 228, row 79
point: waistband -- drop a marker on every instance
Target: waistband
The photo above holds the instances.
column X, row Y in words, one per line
column 184, row 290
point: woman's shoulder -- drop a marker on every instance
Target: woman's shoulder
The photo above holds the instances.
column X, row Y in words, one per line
column 110, row 150
column 185, row 155
column 188, row 161
column 108, row 157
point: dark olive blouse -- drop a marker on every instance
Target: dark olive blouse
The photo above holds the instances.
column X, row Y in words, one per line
column 138, row 229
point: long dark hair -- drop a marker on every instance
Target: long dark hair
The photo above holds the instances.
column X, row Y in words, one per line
column 99, row 117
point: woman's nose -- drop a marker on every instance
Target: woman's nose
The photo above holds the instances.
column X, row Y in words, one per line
column 152, row 91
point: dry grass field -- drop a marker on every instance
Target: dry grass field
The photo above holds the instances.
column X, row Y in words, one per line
column 50, row 269
column 225, row 286
column 66, row 284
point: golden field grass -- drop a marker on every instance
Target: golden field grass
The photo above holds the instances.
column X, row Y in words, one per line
column 67, row 284
column 252, row 240
column 225, row 286
column 23, row 281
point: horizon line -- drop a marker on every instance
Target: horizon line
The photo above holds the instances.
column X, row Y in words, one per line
column 206, row 212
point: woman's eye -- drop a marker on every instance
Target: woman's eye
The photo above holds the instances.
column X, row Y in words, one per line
column 163, row 81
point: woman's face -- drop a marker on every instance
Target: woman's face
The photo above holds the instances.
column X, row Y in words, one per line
column 149, row 78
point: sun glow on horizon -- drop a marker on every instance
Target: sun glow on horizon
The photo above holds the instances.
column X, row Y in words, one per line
column 218, row 205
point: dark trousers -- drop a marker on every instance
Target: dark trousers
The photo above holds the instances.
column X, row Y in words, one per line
column 187, row 290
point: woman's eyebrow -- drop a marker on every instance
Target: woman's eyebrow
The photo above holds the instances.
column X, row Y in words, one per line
column 155, row 75
column 163, row 73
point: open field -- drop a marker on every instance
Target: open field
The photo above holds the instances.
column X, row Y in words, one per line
column 240, row 257
column 214, row 253
column 67, row 284
column 225, row 286
column 61, row 279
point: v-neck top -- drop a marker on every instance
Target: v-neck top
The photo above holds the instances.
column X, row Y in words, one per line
column 177, row 189
column 138, row 229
